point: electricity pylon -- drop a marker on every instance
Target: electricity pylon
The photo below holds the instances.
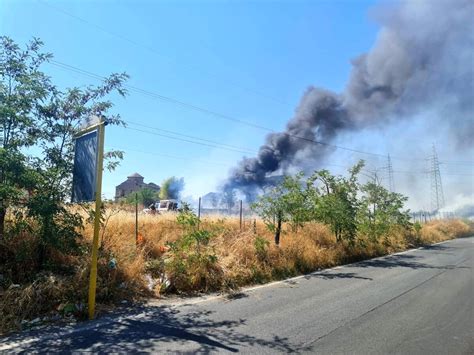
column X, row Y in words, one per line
column 391, row 181
column 437, row 195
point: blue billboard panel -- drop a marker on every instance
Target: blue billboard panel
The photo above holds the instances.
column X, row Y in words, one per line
column 85, row 168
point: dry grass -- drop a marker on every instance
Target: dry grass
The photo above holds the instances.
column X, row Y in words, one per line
column 310, row 248
column 437, row 231
column 243, row 258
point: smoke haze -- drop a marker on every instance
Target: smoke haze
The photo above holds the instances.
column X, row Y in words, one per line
column 422, row 61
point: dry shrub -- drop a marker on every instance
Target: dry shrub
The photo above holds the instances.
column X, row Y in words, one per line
column 18, row 257
column 240, row 263
column 301, row 255
column 42, row 296
column 26, row 292
column 248, row 258
column 194, row 273
column 29, row 300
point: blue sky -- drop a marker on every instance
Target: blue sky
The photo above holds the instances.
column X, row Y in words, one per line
column 249, row 59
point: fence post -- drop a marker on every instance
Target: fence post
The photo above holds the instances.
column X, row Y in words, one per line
column 240, row 215
column 199, row 209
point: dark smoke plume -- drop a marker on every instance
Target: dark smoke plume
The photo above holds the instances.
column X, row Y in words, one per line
column 422, row 59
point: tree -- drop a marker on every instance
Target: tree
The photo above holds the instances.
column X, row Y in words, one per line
column 286, row 202
column 171, row 188
column 35, row 113
column 335, row 201
column 348, row 208
column 145, row 197
column 381, row 210
column 23, row 89
column 270, row 207
column 295, row 201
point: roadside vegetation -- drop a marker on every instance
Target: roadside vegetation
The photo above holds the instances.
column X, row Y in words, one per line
column 302, row 225
column 178, row 255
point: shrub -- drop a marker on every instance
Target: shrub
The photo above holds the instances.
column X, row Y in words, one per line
column 261, row 247
column 191, row 264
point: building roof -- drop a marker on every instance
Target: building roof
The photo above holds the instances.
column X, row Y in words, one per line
column 136, row 175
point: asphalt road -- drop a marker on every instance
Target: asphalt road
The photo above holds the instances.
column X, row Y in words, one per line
column 417, row 302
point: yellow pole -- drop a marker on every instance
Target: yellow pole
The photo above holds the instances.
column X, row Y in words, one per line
column 98, row 202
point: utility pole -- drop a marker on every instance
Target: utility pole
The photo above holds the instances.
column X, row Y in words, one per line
column 437, row 195
column 391, row 181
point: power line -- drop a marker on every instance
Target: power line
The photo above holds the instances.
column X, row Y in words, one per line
column 189, row 136
column 154, row 51
column 229, row 165
column 170, row 156
column 210, row 112
column 226, row 164
column 459, row 163
column 224, row 116
column 428, row 172
column 162, row 97
column 389, row 167
column 216, row 145
column 202, row 160
column 456, row 174
column 217, row 114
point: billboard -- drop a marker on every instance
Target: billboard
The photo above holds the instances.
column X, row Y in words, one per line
column 85, row 167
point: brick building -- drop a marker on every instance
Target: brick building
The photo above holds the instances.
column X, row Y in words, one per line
column 132, row 184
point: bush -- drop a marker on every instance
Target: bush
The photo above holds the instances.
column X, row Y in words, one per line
column 261, row 247
column 191, row 264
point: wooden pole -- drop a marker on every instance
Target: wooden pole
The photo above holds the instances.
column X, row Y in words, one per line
column 199, row 209
column 240, row 215
column 278, row 228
